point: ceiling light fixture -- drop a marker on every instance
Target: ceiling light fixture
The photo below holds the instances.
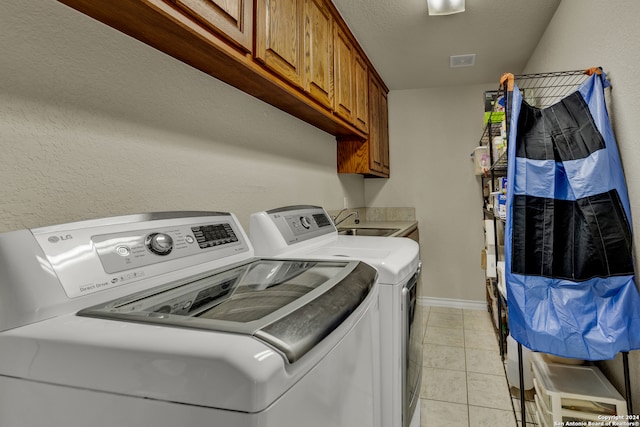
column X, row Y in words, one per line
column 445, row 7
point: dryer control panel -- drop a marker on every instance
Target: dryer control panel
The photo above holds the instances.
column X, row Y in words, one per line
column 90, row 256
column 299, row 223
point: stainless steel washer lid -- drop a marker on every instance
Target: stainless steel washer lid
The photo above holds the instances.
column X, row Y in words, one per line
column 291, row 305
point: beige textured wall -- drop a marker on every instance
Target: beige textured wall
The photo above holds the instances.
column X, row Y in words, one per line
column 433, row 132
column 94, row 123
column 588, row 33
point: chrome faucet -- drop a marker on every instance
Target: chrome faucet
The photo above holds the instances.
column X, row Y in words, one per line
column 336, row 221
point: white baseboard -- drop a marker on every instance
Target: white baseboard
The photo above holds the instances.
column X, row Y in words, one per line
column 453, row 303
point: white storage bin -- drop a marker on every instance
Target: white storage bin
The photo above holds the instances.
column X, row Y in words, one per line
column 513, row 365
column 573, row 393
column 543, row 416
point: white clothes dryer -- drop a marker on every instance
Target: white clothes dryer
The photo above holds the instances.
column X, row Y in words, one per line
column 168, row 319
column 308, row 231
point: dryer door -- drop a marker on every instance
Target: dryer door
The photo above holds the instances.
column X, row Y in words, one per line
column 412, row 347
column 292, row 305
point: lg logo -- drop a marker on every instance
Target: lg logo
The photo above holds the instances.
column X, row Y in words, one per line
column 56, row 239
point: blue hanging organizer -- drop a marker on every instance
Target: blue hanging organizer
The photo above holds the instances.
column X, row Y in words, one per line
column 570, row 280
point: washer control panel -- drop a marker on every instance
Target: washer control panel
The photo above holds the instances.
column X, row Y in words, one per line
column 300, row 223
column 89, row 256
column 138, row 248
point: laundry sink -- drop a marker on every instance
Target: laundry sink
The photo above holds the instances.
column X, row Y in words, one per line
column 364, row 231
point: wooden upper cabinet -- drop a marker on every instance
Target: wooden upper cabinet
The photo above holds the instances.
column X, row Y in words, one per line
column 369, row 157
column 231, row 18
column 318, row 52
column 279, row 37
column 297, row 55
column 343, row 66
column 360, row 93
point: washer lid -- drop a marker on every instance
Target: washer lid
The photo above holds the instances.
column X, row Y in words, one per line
column 292, row 305
column 307, row 232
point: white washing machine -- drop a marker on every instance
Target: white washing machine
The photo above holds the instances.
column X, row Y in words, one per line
column 168, row 319
column 308, row 231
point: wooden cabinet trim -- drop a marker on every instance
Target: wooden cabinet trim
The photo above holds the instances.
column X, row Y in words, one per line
column 375, row 158
column 384, row 132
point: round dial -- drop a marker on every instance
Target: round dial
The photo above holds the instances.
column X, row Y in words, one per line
column 305, row 221
column 159, row 243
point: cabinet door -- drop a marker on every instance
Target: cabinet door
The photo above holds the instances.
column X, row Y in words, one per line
column 231, row 18
column 378, row 128
column 343, row 65
column 375, row 142
column 279, row 37
column 414, row 235
column 361, row 93
column 384, row 132
column 318, row 50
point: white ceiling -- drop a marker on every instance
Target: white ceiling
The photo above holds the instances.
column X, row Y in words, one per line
column 411, row 49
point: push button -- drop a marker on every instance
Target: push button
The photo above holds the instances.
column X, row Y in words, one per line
column 123, row 250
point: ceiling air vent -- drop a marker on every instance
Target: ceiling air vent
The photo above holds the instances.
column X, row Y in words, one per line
column 457, row 61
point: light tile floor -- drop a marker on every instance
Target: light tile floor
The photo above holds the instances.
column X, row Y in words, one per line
column 463, row 380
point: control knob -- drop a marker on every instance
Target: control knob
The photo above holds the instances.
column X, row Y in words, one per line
column 305, row 221
column 159, row 243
